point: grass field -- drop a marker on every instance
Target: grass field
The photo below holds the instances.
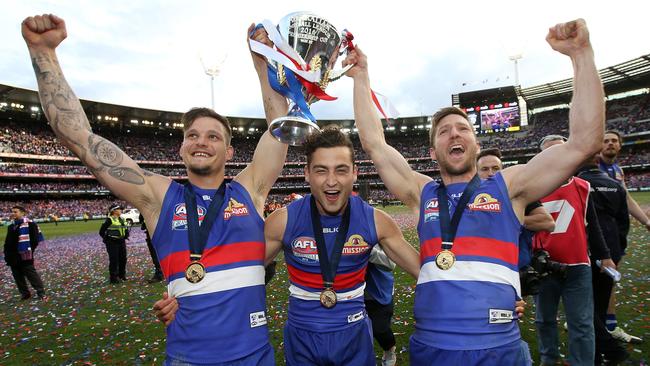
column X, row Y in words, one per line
column 88, row 322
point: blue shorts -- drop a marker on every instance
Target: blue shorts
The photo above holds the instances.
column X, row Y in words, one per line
column 351, row 346
column 263, row 357
column 512, row 354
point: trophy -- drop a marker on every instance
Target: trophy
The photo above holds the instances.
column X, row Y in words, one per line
column 301, row 67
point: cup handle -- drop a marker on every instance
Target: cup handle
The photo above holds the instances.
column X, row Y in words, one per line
column 335, row 75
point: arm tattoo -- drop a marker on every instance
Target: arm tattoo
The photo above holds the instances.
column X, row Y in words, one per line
column 126, row 175
column 68, row 120
column 105, row 151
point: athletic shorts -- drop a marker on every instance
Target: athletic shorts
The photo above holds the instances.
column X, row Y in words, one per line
column 351, row 346
column 512, row 354
column 263, row 357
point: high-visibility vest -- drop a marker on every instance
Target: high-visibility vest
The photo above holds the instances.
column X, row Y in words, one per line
column 117, row 230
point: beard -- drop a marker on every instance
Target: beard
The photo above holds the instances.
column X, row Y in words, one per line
column 468, row 165
column 202, row 171
column 453, row 170
column 609, row 154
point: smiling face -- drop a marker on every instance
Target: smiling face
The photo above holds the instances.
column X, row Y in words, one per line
column 454, row 145
column 331, row 175
column 205, row 147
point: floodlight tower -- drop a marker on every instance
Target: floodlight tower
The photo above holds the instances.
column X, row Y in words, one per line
column 516, row 57
column 212, row 71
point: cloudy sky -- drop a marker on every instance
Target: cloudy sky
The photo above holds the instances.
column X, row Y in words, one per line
column 146, row 53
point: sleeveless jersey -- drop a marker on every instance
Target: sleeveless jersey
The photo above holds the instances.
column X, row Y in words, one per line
column 471, row 305
column 222, row 317
column 568, row 206
column 306, row 281
column 613, row 170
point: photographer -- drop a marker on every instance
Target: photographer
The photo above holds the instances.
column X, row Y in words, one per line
column 562, row 258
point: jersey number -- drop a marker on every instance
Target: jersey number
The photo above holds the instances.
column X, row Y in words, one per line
column 566, row 212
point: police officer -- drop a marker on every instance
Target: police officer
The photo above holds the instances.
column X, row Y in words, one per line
column 114, row 233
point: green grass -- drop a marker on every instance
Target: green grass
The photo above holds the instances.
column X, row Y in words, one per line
column 87, row 322
column 65, row 228
column 643, row 198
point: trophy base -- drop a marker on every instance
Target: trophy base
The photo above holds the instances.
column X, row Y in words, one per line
column 292, row 130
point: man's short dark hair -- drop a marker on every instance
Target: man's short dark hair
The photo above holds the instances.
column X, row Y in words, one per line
column 329, row 136
column 19, row 208
column 188, row 118
column 618, row 134
column 492, row 151
column 440, row 114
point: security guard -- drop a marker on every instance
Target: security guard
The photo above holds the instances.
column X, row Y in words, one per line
column 114, row 233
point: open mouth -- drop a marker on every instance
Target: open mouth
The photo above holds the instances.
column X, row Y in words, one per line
column 200, row 154
column 456, row 150
column 332, row 195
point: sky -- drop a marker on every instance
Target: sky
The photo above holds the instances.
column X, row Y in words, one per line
column 147, row 53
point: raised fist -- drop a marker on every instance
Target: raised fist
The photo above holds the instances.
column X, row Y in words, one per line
column 43, row 31
column 569, row 38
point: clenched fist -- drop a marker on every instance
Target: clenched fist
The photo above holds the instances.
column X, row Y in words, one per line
column 45, row 31
column 569, row 38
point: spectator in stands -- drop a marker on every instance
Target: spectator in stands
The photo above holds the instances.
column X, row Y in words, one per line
column 23, row 237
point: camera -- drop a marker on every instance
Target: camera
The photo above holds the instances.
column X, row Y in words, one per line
column 541, row 265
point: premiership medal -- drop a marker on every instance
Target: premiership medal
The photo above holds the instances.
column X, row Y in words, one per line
column 328, row 298
column 445, row 259
column 195, row 272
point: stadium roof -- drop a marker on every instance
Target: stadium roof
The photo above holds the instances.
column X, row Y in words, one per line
column 626, row 76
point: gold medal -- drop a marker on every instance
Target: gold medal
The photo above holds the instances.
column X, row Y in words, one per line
column 195, row 272
column 445, row 259
column 328, row 298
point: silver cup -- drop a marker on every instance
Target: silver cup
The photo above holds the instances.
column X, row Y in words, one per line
column 319, row 44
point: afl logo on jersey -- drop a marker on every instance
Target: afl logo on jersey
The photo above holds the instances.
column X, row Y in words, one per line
column 179, row 219
column 431, row 211
column 485, row 202
column 355, row 245
column 304, row 249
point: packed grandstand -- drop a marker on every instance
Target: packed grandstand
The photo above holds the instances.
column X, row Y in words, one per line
column 37, row 172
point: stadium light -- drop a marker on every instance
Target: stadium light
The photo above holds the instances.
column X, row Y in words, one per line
column 213, row 69
column 34, row 109
column 516, row 57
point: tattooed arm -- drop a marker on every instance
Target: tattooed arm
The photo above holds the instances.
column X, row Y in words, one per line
column 107, row 162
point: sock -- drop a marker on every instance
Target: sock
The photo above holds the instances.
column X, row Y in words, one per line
column 611, row 322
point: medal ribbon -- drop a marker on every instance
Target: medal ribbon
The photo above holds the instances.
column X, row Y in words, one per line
column 198, row 234
column 328, row 266
column 448, row 229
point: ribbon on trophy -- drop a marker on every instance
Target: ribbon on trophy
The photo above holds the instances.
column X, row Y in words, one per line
column 297, row 72
column 387, row 105
column 300, row 67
